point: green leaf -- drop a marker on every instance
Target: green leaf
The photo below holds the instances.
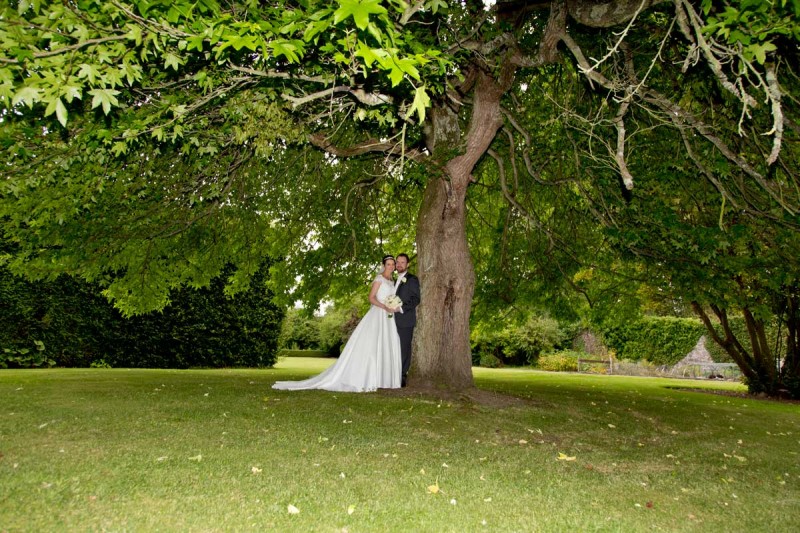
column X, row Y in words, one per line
column 57, row 106
column 396, row 75
column 134, row 34
column 171, row 60
column 760, row 51
column 421, row 102
column 119, row 148
column 435, row 5
column 27, row 96
column 407, row 66
column 70, row 92
column 195, row 42
column 247, row 41
column 89, row 72
column 370, row 55
column 104, row 97
column 360, row 10
column 314, row 29
column 289, row 49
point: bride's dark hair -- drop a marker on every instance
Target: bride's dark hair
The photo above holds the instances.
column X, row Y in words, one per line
column 386, row 258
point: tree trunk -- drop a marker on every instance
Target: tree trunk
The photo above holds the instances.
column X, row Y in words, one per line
column 447, row 280
column 442, row 356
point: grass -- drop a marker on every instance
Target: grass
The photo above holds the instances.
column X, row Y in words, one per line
column 214, row 450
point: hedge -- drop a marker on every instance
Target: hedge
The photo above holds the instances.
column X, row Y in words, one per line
column 660, row 340
column 76, row 327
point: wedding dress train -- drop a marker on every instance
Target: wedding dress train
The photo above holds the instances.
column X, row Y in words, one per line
column 370, row 360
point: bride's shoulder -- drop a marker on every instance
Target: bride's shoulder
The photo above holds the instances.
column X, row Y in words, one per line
column 378, row 279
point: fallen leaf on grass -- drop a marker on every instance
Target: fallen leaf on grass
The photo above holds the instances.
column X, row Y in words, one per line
column 564, row 457
column 351, row 509
column 256, row 470
column 434, row 489
column 198, row 458
column 292, row 509
column 523, row 441
column 453, row 501
column 162, row 458
column 612, row 426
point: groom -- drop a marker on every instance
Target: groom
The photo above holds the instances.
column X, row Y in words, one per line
column 407, row 289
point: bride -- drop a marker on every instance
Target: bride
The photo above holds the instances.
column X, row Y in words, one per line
column 371, row 358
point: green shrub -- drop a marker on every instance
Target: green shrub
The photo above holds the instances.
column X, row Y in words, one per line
column 563, row 361
column 488, row 360
column 537, row 335
column 25, row 357
column 518, row 345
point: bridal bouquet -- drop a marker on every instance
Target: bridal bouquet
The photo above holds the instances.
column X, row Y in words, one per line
column 392, row 301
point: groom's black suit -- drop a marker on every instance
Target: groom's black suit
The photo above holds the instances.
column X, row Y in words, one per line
column 408, row 292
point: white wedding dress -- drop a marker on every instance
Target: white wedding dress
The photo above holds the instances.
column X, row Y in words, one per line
column 370, row 360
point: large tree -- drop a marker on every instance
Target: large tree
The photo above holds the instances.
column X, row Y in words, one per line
column 149, row 143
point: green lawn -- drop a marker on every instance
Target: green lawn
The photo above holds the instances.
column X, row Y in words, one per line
column 218, row 450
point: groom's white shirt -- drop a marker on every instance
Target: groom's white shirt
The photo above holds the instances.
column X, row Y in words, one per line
column 397, row 283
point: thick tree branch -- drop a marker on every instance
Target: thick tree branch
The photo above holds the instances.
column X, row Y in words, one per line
column 669, row 107
column 774, row 93
column 370, row 146
column 689, row 17
column 607, row 13
column 554, row 32
column 368, row 99
column 70, row 48
column 281, row 75
column 619, row 155
column 586, row 69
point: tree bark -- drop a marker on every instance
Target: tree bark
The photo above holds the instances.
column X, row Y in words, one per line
column 442, row 355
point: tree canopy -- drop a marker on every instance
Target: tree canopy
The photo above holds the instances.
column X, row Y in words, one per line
column 514, row 146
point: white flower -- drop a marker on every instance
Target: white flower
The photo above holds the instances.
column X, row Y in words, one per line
column 392, row 301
